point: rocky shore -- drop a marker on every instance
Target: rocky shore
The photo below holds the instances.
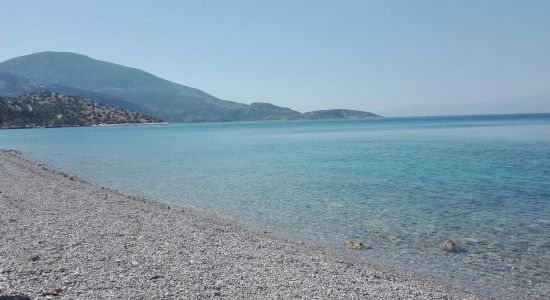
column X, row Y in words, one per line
column 64, row 238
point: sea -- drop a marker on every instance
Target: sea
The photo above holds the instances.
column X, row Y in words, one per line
column 402, row 186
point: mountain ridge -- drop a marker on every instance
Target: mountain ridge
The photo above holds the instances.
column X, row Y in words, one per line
column 132, row 88
column 15, row 86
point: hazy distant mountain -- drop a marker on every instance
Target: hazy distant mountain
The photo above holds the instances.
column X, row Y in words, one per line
column 109, row 83
column 11, row 85
column 266, row 111
column 54, row 110
column 339, row 114
column 15, row 86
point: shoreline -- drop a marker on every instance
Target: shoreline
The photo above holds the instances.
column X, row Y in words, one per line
column 77, row 126
column 63, row 237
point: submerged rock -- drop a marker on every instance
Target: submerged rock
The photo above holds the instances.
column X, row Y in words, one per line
column 35, row 258
column 353, row 245
column 451, row 246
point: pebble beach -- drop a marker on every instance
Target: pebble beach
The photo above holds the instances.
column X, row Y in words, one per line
column 64, row 238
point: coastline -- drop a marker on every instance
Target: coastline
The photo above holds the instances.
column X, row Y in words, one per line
column 63, row 237
column 94, row 125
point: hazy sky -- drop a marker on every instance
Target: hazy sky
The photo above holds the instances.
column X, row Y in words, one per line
column 380, row 56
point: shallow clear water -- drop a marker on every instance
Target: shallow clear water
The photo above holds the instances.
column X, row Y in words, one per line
column 401, row 185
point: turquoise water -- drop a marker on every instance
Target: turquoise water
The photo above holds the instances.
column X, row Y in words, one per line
column 400, row 185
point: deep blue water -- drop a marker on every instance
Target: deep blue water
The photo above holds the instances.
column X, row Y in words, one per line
column 401, row 185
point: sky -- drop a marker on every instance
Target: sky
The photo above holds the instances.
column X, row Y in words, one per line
column 389, row 57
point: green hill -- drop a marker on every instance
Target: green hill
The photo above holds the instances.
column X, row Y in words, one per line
column 153, row 95
column 49, row 109
column 104, row 82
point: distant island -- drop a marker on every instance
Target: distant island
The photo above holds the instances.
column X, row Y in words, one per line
column 49, row 109
column 132, row 89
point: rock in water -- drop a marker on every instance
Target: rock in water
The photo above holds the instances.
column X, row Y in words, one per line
column 450, row 246
column 35, row 258
column 353, row 245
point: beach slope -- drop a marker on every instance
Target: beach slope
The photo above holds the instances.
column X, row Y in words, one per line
column 64, row 238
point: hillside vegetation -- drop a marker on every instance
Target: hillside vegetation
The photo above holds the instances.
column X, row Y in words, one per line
column 48, row 109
